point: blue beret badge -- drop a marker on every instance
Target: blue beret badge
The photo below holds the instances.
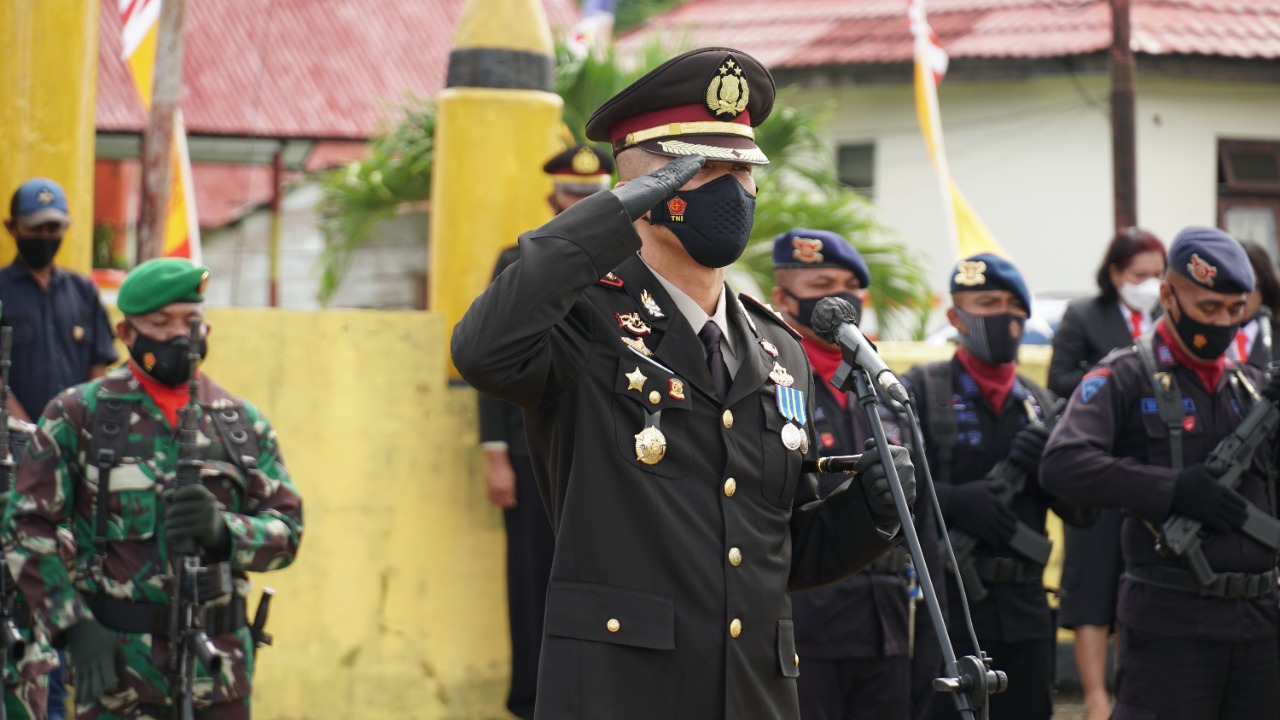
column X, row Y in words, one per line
column 1092, row 383
column 807, row 250
column 971, row 273
column 1201, row 271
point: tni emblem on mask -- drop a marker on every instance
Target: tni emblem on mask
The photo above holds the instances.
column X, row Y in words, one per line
column 727, row 93
column 970, row 273
column 1015, row 329
column 148, row 361
column 1201, row 271
column 806, row 250
column 1199, row 341
column 676, row 208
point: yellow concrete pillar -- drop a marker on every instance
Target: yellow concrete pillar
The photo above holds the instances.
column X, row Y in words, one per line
column 497, row 123
column 48, row 88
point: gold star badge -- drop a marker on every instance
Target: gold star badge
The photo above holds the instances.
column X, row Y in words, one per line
column 727, row 93
column 635, row 380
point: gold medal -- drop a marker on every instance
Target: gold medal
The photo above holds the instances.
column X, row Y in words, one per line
column 792, row 436
column 651, row 446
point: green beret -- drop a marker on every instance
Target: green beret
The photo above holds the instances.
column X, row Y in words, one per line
column 156, row 283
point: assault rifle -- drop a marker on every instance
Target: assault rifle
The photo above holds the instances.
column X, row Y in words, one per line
column 1009, row 480
column 1180, row 536
column 11, row 640
column 189, row 640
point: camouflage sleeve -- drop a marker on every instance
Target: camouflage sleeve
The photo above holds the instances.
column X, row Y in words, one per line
column 265, row 536
column 40, row 502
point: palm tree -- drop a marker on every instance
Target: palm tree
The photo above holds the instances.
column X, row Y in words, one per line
column 798, row 189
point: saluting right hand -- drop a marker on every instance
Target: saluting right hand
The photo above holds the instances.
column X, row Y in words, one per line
column 975, row 509
column 638, row 196
column 1198, row 494
column 95, row 658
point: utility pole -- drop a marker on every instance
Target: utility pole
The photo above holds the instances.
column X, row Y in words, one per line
column 157, row 143
column 1123, row 143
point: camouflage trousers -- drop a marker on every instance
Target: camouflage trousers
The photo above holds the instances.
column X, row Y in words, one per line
column 231, row 710
column 27, row 700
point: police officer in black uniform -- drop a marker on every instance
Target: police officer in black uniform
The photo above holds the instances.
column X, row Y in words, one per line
column 977, row 411
column 578, row 172
column 855, row 636
column 668, row 420
column 1136, row 436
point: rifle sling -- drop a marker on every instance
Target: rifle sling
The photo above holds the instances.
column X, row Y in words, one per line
column 1168, row 397
column 110, row 435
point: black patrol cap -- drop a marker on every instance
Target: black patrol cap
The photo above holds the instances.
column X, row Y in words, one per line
column 705, row 102
column 581, row 170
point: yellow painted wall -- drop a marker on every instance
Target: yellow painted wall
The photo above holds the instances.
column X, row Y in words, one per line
column 48, row 88
column 396, row 606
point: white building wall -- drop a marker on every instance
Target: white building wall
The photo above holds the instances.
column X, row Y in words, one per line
column 1034, row 158
column 1179, row 125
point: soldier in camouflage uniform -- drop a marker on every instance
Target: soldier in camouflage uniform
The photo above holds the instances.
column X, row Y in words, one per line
column 247, row 512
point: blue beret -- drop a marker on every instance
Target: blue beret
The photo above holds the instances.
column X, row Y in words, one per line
column 990, row 272
column 803, row 248
column 1211, row 259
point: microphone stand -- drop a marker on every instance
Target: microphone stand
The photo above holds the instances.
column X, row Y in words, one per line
column 969, row 679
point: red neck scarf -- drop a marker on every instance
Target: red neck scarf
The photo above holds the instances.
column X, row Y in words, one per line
column 168, row 399
column 1209, row 371
column 825, row 360
column 995, row 381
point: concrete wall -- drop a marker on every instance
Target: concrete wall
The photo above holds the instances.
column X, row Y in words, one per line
column 1034, row 158
column 395, row 607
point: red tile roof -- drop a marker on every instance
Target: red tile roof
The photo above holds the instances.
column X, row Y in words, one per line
column 808, row 33
column 295, row 68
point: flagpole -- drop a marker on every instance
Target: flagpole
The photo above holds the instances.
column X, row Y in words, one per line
column 157, row 142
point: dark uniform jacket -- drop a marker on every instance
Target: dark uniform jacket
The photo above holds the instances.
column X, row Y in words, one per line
column 648, row 614
column 863, row 616
column 1014, row 612
column 1091, row 328
column 501, row 421
column 1111, row 449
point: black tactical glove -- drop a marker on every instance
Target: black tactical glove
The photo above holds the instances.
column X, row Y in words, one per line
column 1197, row 494
column 192, row 512
column 1027, row 447
column 875, row 480
column 640, row 195
column 974, row 508
column 96, row 659
column 1271, row 390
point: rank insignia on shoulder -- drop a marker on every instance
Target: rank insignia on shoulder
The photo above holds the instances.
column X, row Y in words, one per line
column 769, row 347
column 632, row 323
column 611, row 280
column 780, row 376
column 637, row 344
column 651, row 305
column 677, row 389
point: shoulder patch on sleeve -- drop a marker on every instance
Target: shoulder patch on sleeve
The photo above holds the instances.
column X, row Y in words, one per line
column 766, row 311
column 1093, row 382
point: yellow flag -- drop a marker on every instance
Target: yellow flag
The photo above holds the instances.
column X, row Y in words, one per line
column 141, row 19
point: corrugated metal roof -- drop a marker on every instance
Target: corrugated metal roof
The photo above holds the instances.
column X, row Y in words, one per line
column 808, row 33
column 295, row 68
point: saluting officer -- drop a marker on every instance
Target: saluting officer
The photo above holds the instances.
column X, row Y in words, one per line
column 1136, row 436
column 246, row 515
column 977, row 411
column 578, row 172
column 855, row 635
column 668, row 420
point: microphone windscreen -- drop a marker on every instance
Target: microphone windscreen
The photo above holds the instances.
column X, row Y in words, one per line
column 829, row 314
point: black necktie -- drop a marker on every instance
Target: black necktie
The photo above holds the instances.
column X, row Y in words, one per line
column 710, row 336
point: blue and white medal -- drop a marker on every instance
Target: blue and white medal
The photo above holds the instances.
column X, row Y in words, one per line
column 792, row 406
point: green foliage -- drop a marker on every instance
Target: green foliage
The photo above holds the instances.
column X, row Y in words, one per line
column 586, row 83
column 355, row 198
column 630, row 13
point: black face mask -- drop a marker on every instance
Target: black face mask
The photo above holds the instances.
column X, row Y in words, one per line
column 1207, row 342
column 993, row 339
column 165, row 361
column 713, row 222
column 38, row 253
column 804, row 314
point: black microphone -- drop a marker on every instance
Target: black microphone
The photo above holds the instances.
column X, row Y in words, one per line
column 835, row 321
column 846, row 464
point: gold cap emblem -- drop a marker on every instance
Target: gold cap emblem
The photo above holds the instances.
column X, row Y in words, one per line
column 727, row 93
column 585, row 162
column 807, row 250
column 971, row 273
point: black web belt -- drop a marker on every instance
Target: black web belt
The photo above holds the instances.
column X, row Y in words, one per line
column 893, row 562
column 1229, row 586
column 1008, row 571
column 131, row 617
